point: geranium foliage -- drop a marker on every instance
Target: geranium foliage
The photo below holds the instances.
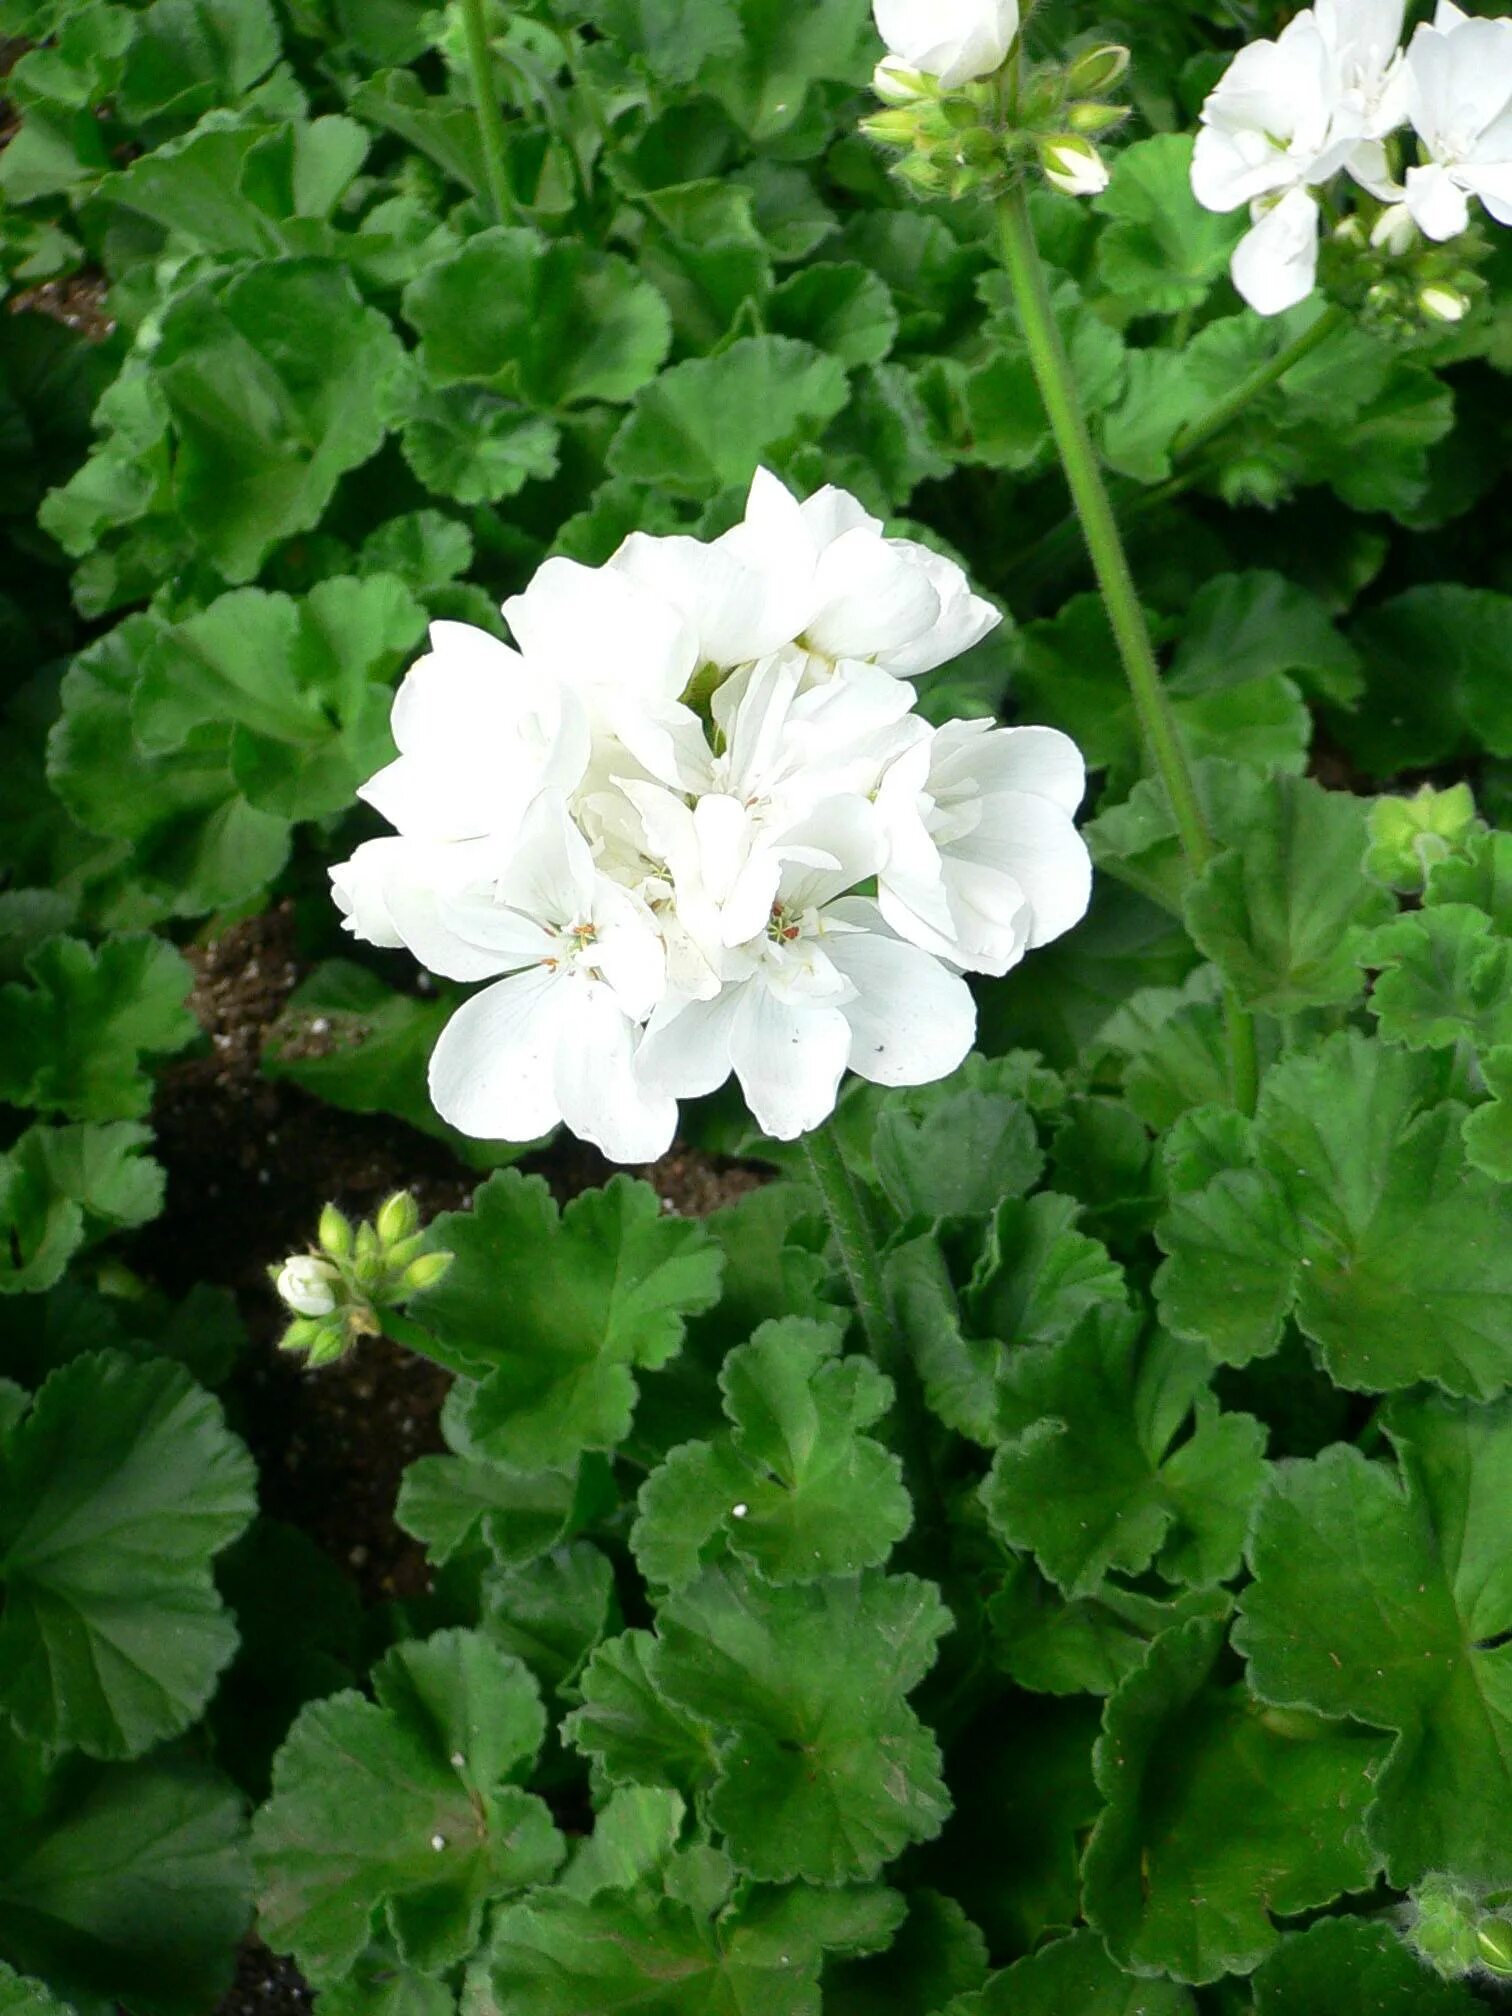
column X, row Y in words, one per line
column 1040, row 1545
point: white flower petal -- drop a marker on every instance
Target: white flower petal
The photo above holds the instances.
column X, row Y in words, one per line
column 1275, row 264
column 964, row 619
column 596, row 629
column 1034, row 842
column 686, row 1047
column 358, row 888
column 911, row 1022
column 603, row 1099
column 789, row 1061
column 871, row 595
column 736, row 610
column 954, row 40
column 492, row 1072
column 1438, row 205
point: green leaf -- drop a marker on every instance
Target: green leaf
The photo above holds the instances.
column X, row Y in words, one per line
column 550, row 1311
column 61, row 1187
column 546, row 323
column 1283, row 913
column 632, row 1731
column 1087, row 1645
column 1443, row 976
column 937, row 1952
column 552, row 1612
column 306, row 685
column 706, row 425
column 1465, row 636
column 197, row 845
column 124, row 1884
column 1170, row 1882
column 1162, row 252
column 1098, row 1475
column 796, row 1490
column 1359, row 1214
column 1488, row 1130
column 470, row 444
column 454, row 1504
column 683, row 1946
column 117, row 1490
column 1036, row 1275
column 405, row 1807
column 954, row 1151
column 73, row 1041
column 674, row 38
column 958, row 1373
column 1417, row 1643
column 633, row 1835
column 273, row 380
column 1173, row 1047
column 1354, row 1967
column 783, row 52
column 189, row 55
column 1072, row 1974
column 844, row 309
column 826, row 1773
column 1252, row 625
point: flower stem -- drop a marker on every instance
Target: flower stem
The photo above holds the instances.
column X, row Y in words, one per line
column 858, row 1248
column 851, row 1224
column 1198, row 433
column 486, row 106
column 1057, row 386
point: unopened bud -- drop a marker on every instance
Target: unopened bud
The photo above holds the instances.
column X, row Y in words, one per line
column 1089, row 118
column 307, row 1284
column 329, row 1344
column 398, row 1218
column 400, row 1254
column 895, row 84
column 920, row 174
column 1073, row 165
column 1443, row 304
column 365, row 1245
column 1394, row 231
column 335, row 1233
column 425, row 1272
column 897, row 128
column 1095, row 72
column 1493, row 1938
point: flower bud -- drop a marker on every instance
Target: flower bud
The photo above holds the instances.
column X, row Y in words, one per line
column 899, row 128
column 1073, row 165
column 1443, row 1928
column 330, row 1344
column 1443, row 304
column 398, row 1218
column 335, row 1233
column 425, row 1272
column 1493, row 1938
column 1088, row 118
column 895, row 84
column 1394, row 231
column 307, row 1285
column 1095, row 72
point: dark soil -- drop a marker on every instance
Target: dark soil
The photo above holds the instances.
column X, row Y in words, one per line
column 250, row 1163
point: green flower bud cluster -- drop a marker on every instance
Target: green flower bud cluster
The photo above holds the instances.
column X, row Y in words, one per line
column 1408, row 835
column 336, row 1290
column 983, row 137
column 1397, row 280
column 1458, row 1932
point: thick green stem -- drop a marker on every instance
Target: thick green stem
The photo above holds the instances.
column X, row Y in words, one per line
column 486, row 105
column 858, row 1249
column 1198, row 433
column 1057, row 386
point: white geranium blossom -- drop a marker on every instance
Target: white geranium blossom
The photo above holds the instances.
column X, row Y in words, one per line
column 1459, row 98
column 982, row 859
column 953, row 41
column 1289, row 116
column 654, row 830
column 307, row 1285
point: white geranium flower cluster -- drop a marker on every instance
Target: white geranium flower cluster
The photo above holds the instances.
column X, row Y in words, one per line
column 1324, row 99
column 691, row 825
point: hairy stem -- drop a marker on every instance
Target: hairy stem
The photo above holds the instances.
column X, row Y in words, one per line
column 851, row 1224
column 1057, row 386
column 486, row 106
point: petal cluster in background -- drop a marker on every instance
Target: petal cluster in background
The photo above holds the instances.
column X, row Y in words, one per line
column 690, row 825
column 1324, row 100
